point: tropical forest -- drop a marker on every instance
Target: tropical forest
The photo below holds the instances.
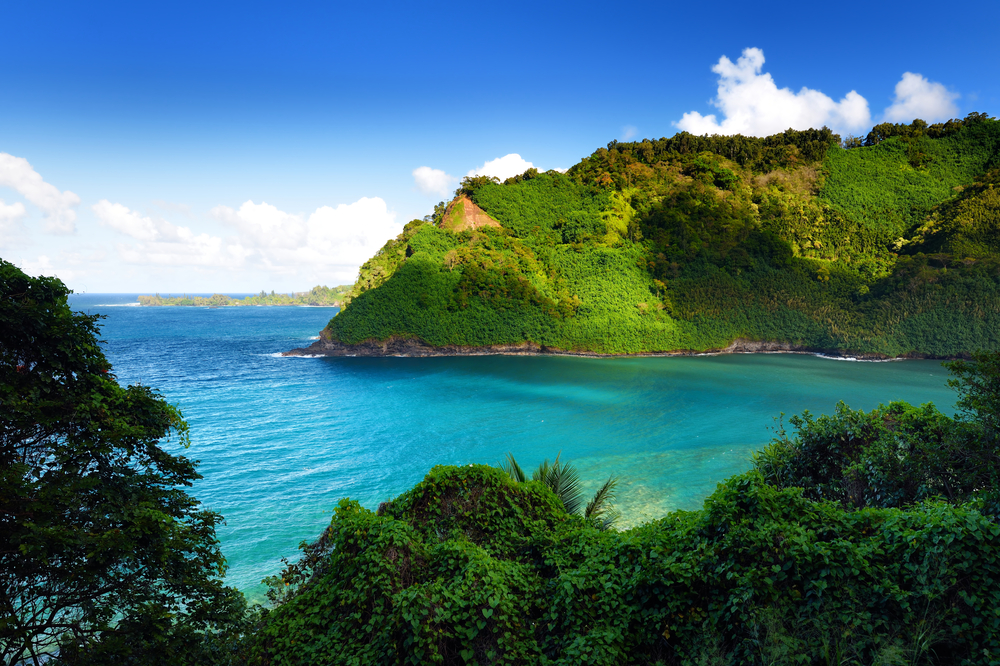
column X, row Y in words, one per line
column 884, row 246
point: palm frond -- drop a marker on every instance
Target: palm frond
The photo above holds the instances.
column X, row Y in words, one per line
column 512, row 469
column 542, row 473
column 600, row 509
column 609, row 519
column 602, row 500
column 563, row 479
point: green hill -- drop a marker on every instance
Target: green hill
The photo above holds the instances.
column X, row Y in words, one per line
column 691, row 243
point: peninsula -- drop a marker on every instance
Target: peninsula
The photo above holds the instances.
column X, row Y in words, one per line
column 318, row 296
column 885, row 246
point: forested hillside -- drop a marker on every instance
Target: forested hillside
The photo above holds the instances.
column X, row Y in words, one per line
column 884, row 246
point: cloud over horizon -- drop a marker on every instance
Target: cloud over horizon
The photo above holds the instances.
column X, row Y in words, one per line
column 17, row 174
column 330, row 244
column 503, row 168
column 751, row 103
column 10, row 215
column 434, row 181
column 916, row 97
column 333, row 240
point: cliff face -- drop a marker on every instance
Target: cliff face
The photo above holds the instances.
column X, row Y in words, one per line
column 697, row 244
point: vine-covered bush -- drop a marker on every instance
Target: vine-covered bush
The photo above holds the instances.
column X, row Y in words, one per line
column 472, row 568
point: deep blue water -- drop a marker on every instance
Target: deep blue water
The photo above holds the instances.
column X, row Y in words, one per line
column 281, row 440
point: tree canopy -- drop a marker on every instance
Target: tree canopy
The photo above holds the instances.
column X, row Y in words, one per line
column 104, row 557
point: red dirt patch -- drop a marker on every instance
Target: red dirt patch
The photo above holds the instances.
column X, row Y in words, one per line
column 463, row 214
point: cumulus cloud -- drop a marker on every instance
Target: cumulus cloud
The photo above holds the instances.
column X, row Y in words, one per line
column 629, row 132
column 329, row 245
column 128, row 222
column 166, row 244
column 916, row 97
column 350, row 234
column 433, row 181
column 503, row 167
column 336, row 241
column 11, row 215
column 187, row 248
column 752, row 104
column 17, row 173
column 263, row 225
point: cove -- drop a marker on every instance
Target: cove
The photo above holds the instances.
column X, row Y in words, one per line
column 280, row 440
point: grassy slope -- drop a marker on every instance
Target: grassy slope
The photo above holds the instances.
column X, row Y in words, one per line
column 887, row 249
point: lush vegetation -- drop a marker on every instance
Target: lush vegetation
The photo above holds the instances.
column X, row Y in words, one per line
column 887, row 247
column 861, row 539
column 316, row 296
column 103, row 555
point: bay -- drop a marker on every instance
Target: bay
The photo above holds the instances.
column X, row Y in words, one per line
column 281, row 440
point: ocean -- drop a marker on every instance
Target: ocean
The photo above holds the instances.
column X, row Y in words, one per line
column 281, row 440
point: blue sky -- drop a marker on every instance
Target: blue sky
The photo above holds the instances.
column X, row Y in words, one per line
column 163, row 131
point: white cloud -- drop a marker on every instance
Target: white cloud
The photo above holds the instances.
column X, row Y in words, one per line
column 916, row 97
column 17, row 173
column 163, row 243
column 263, row 225
column 128, row 222
column 328, row 246
column 338, row 240
column 11, row 215
column 503, row 167
column 753, row 105
column 628, row 132
column 187, row 249
column 12, row 212
column 433, row 181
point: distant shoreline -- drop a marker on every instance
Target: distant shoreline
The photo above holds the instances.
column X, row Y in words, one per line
column 319, row 296
column 236, row 305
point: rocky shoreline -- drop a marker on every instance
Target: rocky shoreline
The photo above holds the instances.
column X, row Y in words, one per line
column 413, row 347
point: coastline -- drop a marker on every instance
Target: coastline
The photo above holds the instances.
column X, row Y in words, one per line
column 414, row 347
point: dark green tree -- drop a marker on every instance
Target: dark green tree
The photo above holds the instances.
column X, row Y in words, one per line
column 897, row 455
column 104, row 557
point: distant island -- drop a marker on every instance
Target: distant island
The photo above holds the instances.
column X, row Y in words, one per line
column 320, row 296
column 882, row 246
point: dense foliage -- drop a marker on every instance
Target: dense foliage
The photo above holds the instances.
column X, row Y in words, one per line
column 103, row 555
column 691, row 242
column 897, row 455
column 864, row 539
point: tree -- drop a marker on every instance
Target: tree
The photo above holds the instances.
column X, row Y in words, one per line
column 103, row 555
column 563, row 480
column 897, row 455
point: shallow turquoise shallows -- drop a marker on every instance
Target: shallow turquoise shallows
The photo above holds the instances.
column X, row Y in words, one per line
column 281, row 440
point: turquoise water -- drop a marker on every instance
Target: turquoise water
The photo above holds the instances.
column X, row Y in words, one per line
column 281, row 440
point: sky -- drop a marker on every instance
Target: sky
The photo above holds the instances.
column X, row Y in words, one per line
column 233, row 147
